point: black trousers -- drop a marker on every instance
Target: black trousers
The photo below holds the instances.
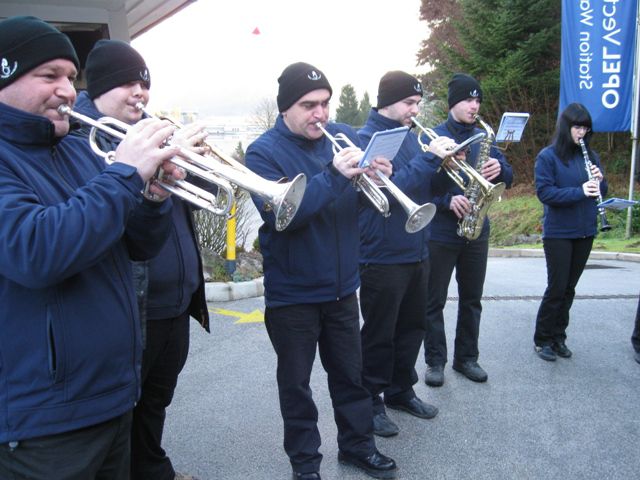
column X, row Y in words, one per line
column 393, row 301
column 470, row 262
column 635, row 337
column 566, row 259
column 99, row 452
column 295, row 332
column 162, row 360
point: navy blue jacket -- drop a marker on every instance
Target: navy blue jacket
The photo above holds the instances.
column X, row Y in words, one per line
column 445, row 224
column 174, row 279
column 315, row 259
column 70, row 346
column 384, row 240
column 568, row 213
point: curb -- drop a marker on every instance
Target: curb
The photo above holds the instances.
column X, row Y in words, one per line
column 538, row 252
column 227, row 291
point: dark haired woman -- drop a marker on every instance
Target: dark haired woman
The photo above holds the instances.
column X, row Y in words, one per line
column 569, row 224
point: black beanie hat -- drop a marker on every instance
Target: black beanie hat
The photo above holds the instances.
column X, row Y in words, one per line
column 462, row 87
column 112, row 63
column 395, row 86
column 28, row 42
column 296, row 81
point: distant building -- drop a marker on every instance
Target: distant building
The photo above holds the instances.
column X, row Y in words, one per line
column 224, row 132
column 227, row 132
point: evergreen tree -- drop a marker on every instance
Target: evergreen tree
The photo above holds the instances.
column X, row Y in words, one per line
column 512, row 47
column 347, row 111
column 365, row 107
column 238, row 153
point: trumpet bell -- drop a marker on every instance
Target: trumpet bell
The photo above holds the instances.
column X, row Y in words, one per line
column 420, row 217
column 496, row 190
column 287, row 202
column 281, row 197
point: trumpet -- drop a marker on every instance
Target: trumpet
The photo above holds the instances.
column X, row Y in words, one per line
column 478, row 190
column 451, row 164
column 419, row 216
column 284, row 198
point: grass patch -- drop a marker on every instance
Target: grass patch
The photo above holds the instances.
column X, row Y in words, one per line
column 514, row 218
column 516, row 221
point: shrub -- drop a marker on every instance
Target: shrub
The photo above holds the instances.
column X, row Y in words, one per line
column 211, row 230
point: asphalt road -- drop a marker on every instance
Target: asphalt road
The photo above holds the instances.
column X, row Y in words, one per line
column 572, row 419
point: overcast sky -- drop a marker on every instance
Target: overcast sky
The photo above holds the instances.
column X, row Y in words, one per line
column 207, row 58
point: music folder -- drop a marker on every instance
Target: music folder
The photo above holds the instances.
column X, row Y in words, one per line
column 385, row 143
column 511, row 127
column 618, row 203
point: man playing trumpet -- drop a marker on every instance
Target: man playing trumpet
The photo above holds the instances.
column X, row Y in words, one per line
column 70, row 345
column 394, row 264
column 311, row 275
column 170, row 286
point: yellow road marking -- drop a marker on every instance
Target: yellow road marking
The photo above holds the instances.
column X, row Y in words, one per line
column 252, row 317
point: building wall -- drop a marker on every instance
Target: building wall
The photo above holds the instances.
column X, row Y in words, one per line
column 116, row 21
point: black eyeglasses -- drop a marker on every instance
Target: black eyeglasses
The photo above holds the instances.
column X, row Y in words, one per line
column 581, row 128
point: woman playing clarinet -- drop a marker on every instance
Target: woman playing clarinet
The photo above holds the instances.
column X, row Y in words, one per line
column 569, row 184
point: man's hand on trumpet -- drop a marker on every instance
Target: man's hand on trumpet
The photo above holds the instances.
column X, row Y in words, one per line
column 145, row 148
column 191, row 137
column 381, row 164
column 346, row 161
column 441, row 146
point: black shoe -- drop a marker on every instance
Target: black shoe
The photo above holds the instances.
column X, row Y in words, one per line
column 471, row 370
column 561, row 350
column 637, row 357
column 434, row 376
column 306, row 476
column 545, row 352
column 414, row 406
column 184, row 476
column 375, row 465
column 383, row 426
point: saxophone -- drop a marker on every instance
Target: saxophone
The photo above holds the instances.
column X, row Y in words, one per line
column 480, row 193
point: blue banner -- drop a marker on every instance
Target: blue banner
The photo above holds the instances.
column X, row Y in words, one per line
column 597, row 60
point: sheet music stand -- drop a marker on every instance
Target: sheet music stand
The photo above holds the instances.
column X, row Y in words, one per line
column 511, row 128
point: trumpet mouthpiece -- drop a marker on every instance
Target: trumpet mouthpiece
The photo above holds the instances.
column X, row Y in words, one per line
column 64, row 109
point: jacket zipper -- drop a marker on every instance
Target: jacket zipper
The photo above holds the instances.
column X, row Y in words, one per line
column 54, row 156
column 115, row 263
column 335, row 229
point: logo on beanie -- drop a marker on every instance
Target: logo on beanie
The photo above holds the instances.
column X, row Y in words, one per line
column 7, row 71
column 144, row 75
column 418, row 87
column 474, row 93
column 313, row 75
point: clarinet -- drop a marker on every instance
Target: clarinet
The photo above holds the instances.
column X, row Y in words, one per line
column 604, row 225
